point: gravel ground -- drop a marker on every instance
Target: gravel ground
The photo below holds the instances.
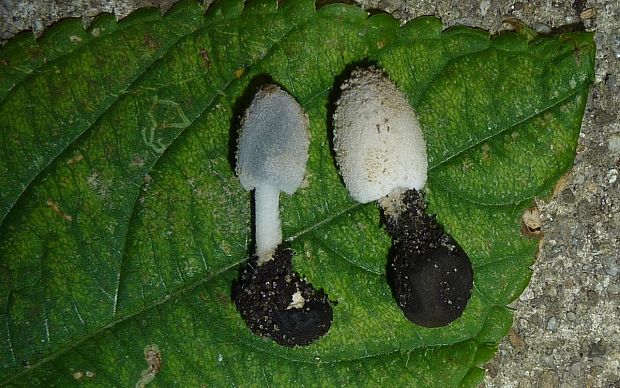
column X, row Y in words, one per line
column 566, row 331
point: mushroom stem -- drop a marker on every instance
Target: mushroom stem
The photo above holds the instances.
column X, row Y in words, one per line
column 268, row 228
column 392, row 204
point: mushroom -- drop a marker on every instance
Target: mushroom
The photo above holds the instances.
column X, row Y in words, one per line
column 381, row 155
column 271, row 157
column 272, row 151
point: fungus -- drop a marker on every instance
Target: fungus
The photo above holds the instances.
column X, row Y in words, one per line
column 271, row 157
column 381, row 155
column 272, row 152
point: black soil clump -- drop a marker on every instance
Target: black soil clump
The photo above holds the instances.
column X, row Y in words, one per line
column 430, row 275
column 264, row 295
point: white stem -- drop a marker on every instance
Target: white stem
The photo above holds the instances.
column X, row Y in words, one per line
column 392, row 204
column 268, row 228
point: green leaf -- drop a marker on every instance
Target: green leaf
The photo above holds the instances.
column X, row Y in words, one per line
column 123, row 224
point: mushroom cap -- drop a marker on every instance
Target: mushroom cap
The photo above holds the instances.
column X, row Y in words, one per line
column 273, row 142
column 379, row 146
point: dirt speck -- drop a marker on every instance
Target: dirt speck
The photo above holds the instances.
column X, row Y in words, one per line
column 516, row 340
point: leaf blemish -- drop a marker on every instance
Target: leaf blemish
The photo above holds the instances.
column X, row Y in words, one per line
column 153, row 358
column 239, row 72
column 56, row 209
column 77, row 158
column 206, row 61
column 79, row 375
column 162, row 107
column 94, row 181
column 150, row 42
column 137, row 161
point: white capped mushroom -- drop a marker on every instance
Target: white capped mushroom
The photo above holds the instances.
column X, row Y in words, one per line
column 271, row 157
column 381, row 154
column 379, row 146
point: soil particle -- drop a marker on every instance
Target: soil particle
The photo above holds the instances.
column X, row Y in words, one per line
column 277, row 303
column 552, row 324
column 430, row 275
column 516, row 340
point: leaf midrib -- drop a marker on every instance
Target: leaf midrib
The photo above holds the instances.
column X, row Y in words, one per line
column 515, row 201
column 525, row 119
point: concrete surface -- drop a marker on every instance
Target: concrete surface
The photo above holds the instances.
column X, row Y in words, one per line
column 566, row 331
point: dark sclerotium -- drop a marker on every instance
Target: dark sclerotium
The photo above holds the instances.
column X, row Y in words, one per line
column 264, row 295
column 430, row 274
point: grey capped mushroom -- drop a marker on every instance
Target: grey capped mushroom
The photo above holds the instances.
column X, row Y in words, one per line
column 381, row 155
column 274, row 300
column 271, row 157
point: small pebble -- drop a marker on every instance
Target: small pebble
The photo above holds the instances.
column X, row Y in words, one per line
column 549, row 379
column 551, row 291
column 484, row 7
column 38, row 25
column 575, row 369
column 552, row 324
column 542, row 28
column 571, row 316
column 612, row 269
column 612, row 176
column 569, row 19
column 596, row 349
column 612, row 84
column 588, row 13
column 516, row 340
